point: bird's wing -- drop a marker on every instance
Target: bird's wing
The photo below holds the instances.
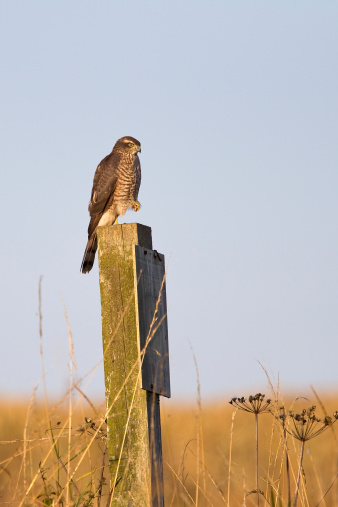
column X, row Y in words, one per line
column 104, row 184
column 137, row 170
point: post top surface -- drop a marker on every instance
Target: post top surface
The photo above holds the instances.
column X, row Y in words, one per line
column 129, row 234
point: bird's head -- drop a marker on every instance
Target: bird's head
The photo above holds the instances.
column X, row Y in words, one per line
column 128, row 144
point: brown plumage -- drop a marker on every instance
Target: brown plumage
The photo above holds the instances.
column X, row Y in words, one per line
column 115, row 189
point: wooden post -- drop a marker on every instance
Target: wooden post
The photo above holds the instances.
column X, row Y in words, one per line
column 136, row 364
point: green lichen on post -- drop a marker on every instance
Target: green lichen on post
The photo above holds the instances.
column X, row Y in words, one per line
column 126, row 401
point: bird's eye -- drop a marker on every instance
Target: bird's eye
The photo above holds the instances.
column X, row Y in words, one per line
column 130, row 145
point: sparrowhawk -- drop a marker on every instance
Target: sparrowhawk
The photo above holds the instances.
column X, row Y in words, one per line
column 115, row 189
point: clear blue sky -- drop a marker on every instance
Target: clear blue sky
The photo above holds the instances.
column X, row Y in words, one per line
column 235, row 104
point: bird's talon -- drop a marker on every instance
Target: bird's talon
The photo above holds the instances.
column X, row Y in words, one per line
column 136, row 206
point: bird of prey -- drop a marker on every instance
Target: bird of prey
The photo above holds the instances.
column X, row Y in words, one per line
column 115, row 189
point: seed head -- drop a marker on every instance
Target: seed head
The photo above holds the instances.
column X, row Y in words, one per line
column 305, row 425
column 254, row 404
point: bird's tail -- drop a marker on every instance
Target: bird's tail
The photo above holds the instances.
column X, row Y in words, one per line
column 89, row 255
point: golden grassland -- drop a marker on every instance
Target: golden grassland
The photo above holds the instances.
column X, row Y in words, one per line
column 208, row 452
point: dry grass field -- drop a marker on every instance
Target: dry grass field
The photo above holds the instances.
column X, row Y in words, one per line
column 208, row 449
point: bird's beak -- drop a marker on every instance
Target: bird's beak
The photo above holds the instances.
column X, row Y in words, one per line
column 139, row 149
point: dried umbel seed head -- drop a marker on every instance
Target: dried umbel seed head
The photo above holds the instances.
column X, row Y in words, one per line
column 254, row 404
column 305, row 425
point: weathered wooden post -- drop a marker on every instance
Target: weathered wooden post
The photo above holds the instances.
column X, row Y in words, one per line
column 136, row 362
